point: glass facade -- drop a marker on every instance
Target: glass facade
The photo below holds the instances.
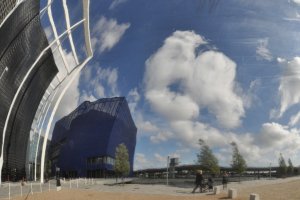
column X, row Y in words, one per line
column 5, row 7
column 84, row 142
column 22, row 39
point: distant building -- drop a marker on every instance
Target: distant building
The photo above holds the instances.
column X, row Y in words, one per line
column 84, row 142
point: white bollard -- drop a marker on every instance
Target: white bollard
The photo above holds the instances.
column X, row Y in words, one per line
column 232, row 193
column 21, row 190
column 31, row 188
column 254, row 196
column 217, row 190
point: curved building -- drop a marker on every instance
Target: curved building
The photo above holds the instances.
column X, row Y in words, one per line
column 32, row 84
column 22, row 39
column 84, row 142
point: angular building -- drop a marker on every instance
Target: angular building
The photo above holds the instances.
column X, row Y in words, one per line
column 84, row 142
column 22, row 39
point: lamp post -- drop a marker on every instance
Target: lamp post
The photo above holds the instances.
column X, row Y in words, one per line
column 270, row 170
column 168, row 158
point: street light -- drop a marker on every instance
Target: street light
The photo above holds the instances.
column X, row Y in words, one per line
column 270, row 170
column 168, row 170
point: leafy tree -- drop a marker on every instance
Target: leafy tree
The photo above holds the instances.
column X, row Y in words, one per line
column 282, row 169
column 122, row 165
column 207, row 159
column 238, row 164
column 290, row 168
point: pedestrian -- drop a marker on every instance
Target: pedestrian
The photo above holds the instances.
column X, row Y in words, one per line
column 225, row 180
column 198, row 181
column 210, row 184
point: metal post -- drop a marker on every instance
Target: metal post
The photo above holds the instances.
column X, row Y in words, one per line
column 270, row 170
column 168, row 170
column 8, row 190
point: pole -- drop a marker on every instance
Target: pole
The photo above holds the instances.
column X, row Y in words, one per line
column 21, row 190
column 49, row 185
column 31, row 188
column 168, row 170
column 8, row 190
column 270, row 170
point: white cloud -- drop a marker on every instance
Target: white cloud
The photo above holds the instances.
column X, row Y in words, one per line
column 160, row 159
column 262, row 50
column 161, row 136
column 107, row 33
column 133, row 98
column 116, row 3
column 289, row 88
column 98, row 82
column 274, row 136
column 294, row 119
column 296, row 1
column 70, row 100
column 200, row 81
column 140, row 161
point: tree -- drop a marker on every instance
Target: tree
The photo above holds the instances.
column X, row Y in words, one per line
column 238, row 164
column 122, row 165
column 290, row 168
column 207, row 159
column 282, row 166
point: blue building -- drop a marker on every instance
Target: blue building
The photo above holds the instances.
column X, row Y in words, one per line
column 84, row 142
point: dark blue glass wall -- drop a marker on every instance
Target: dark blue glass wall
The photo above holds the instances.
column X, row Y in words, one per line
column 84, row 142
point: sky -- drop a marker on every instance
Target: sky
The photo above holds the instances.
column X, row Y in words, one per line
column 217, row 70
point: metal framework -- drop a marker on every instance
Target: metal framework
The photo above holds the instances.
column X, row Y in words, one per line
column 58, row 90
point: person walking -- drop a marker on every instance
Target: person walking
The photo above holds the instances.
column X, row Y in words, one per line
column 198, row 181
column 225, row 180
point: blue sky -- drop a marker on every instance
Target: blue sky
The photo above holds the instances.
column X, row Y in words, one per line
column 217, row 70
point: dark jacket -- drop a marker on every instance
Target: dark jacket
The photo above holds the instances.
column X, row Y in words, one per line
column 199, row 179
column 225, row 179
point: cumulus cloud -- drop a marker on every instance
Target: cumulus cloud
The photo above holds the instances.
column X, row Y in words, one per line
column 274, row 136
column 98, row 82
column 262, row 50
column 140, row 161
column 159, row 158
column 133, row 98
column 297, row 1
column 179, row 82
column 289, row 87
column 70, row 99
column 294, row 119
column 161, row 136
column 116, row 3
column 107, row 33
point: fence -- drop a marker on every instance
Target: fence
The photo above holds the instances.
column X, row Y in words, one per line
column 10, row 190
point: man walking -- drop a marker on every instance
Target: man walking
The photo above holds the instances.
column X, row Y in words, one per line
column 198, row 181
